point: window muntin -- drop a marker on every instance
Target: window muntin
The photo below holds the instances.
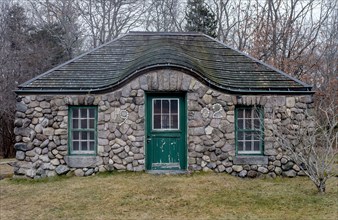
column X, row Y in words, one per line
column 165, row 114
column 83, row 130
column 249, row 133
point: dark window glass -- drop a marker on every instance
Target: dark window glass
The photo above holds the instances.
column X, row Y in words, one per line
column 248, row 124
column 240, row 123
column 84, row 145
column 157, row 121
column 240, row 113
column 174, row 106
column 174, row 121
column 91, row 145
column 83, row 135
column 157, row 106
column 257, row 123
column 240, row 145
column 165, row 106
column 75, row 145
column 165, row 121
column 247, row 113
column 256, row 113
column 83, row 123
column 75, row 113
column 83, row 113
column 240, row 135
column 91, row 135
column 91, row 123
column 76, row 135
column 248, row 146
column 75, row 123
column 91, row 113
column 256, row 146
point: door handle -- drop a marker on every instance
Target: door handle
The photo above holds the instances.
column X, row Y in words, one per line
column 148, row 140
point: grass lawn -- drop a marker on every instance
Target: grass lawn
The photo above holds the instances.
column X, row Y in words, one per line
column 145, row 196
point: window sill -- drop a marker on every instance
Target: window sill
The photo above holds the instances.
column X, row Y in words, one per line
column 250, row 160
column 81, row 161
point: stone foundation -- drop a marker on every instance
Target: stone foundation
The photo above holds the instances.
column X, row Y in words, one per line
column 41, row 129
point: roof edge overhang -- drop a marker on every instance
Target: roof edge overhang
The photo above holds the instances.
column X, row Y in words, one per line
column 305, row 89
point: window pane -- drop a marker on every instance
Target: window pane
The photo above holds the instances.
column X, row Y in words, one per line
column 75, row 113
column 165, row 106
column 83, row 112
column 256, row 136
column 76, row 135
column 75, row 123
column 75, row 145
column 91, row 135
column 83, row 135
column 256, row 113
column 91, row 145
column 240, row 113
column 84, row 145
column 91, row 123
column 256, row 146
column 174, row 106
column 240, row 146
column 174, row 121
column 83, row 123
column 240, row 123
column 240, row 135
column 247, row 113
column 257, row 123
column 165, row 121
column 91, row 113
column 157, row 106
column 157, row 121
column 248, row 146
column 248, row 124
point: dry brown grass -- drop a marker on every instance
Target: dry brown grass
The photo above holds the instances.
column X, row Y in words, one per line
column 145, row 196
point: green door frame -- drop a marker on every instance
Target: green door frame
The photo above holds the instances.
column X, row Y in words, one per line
column 183, row 150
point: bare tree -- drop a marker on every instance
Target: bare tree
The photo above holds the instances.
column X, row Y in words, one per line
column 49, row 14
column 164, row 15
column 25, row 52
column 313, row 146
column 107, row 19
column 287, row 33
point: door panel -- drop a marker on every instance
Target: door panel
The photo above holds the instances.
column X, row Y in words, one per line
column 166, row 132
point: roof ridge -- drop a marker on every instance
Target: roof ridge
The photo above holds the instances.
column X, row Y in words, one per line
column 160, row 33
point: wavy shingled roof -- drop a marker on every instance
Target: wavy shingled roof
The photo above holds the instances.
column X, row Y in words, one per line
column 117, row 62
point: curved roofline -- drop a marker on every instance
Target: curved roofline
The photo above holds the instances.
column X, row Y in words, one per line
column 132, row 73
column 261, row 62
column 182, row 68
column 70, row 61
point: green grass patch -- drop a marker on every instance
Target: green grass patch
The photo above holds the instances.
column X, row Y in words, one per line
column 126, row 195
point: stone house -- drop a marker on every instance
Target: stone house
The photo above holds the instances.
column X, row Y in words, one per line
column 158, row 102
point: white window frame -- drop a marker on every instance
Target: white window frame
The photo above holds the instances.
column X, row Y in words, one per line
column 178, row 114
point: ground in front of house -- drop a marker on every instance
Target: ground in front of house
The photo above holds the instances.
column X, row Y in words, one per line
column 128, row 195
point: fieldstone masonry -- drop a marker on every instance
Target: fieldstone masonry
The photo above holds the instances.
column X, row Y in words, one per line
column 41, row 129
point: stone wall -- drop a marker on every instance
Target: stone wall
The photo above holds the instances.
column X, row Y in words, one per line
column 41, row 129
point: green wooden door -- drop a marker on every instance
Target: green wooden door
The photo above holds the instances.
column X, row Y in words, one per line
column 166, row 132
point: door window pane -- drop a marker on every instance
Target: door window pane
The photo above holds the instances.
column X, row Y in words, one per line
column 174, row 106
column 157, row 121
column 165, row 121
column 157, row 106
column 174, row 121
column 165, row 114
column 165, row 106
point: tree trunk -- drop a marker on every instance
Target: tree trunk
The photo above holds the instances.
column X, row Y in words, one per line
column 321, row 186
